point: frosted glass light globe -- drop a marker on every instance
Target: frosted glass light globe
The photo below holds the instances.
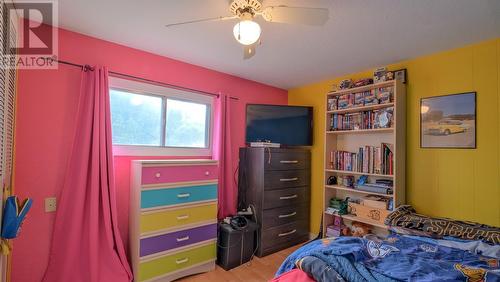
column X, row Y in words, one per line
column 247, row 32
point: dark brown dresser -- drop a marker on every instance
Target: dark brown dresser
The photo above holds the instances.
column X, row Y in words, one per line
column 276, row 182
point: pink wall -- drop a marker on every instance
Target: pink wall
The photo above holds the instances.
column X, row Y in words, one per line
column 47, row 102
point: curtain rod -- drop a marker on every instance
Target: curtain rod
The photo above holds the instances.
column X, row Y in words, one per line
column 145, row 80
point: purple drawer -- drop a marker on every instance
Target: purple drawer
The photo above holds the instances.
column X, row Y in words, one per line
column 177, row 239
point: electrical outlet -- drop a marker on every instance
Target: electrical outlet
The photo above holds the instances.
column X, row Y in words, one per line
column 50, row 204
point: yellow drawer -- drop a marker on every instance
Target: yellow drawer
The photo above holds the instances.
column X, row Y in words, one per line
column 164, row 219
column 184, row 259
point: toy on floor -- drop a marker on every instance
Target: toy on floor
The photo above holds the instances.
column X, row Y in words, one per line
column 359, row 229
column 335, row 230
column 346, row 231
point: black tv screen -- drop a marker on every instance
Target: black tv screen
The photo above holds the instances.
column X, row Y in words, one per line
column 287, row 125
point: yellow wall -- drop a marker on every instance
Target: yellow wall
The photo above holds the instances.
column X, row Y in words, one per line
column 457, row 183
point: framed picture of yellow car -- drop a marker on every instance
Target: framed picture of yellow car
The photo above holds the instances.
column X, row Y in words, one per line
column 448, row 121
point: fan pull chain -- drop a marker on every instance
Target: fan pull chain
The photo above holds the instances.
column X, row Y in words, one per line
column 239, row 31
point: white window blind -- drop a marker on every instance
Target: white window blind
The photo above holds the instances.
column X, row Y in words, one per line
column 7, row 103
column 2, row 91
column 7, row 113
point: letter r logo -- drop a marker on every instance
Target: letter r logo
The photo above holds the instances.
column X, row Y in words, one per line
column 35, row 29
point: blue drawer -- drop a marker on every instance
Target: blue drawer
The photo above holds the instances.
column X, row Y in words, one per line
column 176, row 196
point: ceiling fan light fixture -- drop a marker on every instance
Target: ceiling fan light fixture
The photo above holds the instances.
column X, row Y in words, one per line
column 247, row 32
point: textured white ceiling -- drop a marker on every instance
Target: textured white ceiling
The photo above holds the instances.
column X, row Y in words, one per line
column 360, row 34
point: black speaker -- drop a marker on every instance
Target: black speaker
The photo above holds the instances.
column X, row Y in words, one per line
column 235, row 246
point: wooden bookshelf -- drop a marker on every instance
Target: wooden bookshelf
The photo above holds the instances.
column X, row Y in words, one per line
column 351, row 218
column 364, row 220
column 361, row 131
column 351, row 140
column 359, row 173
column 360, row 109
column 363, row 88
column 357, row 191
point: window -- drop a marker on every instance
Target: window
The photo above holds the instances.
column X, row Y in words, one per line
column 136, row 119
column 153, row 120
column 186, row 124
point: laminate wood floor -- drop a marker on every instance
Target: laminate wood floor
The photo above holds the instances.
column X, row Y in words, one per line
column 259, row 269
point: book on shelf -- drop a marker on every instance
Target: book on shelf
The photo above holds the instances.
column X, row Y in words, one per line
column 375, row 189
column 331, row 211
column 332, row 103
column 373, row 119
column 384, row 182
column 368, row 159
column 380, row 186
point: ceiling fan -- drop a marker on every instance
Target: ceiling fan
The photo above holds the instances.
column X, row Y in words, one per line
column 247, row 31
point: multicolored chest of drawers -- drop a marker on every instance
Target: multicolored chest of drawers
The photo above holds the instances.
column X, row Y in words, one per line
column 173, row 218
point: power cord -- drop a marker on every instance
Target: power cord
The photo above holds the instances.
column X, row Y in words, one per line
column 242, row 181
column 257, row 243
column 269, row 153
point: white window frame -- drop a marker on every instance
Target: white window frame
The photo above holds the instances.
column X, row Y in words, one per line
column 143, row 88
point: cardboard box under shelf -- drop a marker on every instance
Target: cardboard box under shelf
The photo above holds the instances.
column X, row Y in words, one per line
column 374, row 202
column 367, row 212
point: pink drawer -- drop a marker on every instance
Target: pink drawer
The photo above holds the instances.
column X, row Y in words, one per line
column 169, row 174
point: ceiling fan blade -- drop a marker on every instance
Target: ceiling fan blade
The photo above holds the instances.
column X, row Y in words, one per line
column 249, row 51
column 203, row 20
column 295, row 15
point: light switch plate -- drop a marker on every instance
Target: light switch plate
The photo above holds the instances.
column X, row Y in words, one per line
column 50, row 204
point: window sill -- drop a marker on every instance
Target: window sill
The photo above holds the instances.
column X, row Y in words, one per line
column 124, row 150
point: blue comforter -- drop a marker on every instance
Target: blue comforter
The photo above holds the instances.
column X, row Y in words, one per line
column 396, row 258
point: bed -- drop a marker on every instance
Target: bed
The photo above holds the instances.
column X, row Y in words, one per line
column 444, row 250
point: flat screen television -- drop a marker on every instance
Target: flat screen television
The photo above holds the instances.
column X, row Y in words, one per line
column 287, row 125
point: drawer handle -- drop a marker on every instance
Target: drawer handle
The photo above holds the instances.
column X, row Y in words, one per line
column 183, row 195
column 182, row 239
column 289, row 162
column 287, row 233
column 288, row 197
column 287, row 215
column 158, row 175
column 182, row 217
column 180, row 261
column 289, row 179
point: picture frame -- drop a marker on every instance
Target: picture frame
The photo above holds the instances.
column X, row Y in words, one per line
column 448, row 121
column 400, row 75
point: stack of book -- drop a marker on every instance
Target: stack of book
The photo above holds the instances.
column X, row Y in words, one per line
column 353, row 121
column 332, row 103
column 360, row 120
column 381, row 186
column 384, row 95
column 367, row 98
column 368, row 159
column 353, row 100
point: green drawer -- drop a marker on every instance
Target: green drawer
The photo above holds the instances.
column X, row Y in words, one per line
column 172, row 262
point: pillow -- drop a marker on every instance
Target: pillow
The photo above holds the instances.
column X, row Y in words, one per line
column 405, row 219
